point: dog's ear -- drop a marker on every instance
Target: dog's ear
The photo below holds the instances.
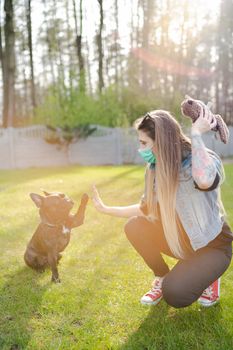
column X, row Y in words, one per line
column 45, row 192
column 37, row 199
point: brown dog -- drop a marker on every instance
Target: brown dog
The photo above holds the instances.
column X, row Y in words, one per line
column 53, row 233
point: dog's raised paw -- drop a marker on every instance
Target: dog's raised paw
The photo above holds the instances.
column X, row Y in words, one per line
column 84, row 198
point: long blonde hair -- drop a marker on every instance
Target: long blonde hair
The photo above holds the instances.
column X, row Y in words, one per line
column 169, row 143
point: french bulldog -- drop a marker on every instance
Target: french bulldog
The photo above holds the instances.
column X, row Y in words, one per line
column 53, row 233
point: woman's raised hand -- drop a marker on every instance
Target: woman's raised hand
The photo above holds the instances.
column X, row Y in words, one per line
column 204, row 122
column 97, row 201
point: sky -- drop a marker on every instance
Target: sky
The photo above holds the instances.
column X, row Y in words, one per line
column 91, row 20
column 90, row 23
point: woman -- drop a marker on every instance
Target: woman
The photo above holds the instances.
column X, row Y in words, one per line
column 180, row 214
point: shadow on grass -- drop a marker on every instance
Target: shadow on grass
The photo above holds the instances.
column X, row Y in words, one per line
column 25, row 175
column 111, row 179
column 20, row 299
column 117, row 177
column 180, row 329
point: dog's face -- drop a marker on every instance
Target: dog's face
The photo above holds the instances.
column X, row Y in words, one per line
column 54, row 207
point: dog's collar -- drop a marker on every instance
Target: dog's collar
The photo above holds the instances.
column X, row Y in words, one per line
column 65, row 229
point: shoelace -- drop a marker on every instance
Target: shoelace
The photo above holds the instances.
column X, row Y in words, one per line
column 156, row 288
column 208, row 292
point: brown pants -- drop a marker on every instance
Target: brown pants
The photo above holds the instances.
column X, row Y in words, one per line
column 189, row 277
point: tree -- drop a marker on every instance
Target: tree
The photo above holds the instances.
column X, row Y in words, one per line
column 147, row 8
column 79, row 44
column 8, row 63
column 99, row 41
column 224, row 67
column 29, row 28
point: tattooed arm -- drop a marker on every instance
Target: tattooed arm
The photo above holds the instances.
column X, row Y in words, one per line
column 203, row 167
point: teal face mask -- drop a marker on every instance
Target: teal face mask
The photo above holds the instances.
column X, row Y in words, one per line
column 147, row 155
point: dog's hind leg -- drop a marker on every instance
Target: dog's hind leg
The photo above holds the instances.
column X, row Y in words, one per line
column 36, row 262
column 30, row 259
column 42, row 263
column 52, row 261
column 59, row 256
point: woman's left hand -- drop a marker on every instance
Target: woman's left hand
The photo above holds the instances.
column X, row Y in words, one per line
column 205, row 122
column 97, row 201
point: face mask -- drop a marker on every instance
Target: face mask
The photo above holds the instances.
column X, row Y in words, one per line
column 147, row 155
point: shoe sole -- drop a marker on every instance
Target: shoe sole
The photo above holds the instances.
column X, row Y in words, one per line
column 151, row 303
column 208, row 305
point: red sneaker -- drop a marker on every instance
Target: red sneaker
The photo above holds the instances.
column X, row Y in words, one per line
column 211, row 295
column 154, row 295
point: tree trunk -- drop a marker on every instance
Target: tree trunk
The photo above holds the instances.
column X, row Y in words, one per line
column 9, row 66
column 116, row 48
column 29, row 28
column 88, row 69
column 50, row 56
column 148, row 8
column 100, row 48
column 1, row 50
column 79, row 45
column 61, row 66
column 225, row 51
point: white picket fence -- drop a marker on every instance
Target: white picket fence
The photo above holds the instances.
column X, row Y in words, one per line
column 26, row 147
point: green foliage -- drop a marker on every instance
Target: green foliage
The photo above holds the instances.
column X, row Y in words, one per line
column 136, row 103
column 72, row 108
column 65, row 135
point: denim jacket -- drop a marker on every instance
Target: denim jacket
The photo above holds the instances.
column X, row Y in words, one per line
column 198, row 210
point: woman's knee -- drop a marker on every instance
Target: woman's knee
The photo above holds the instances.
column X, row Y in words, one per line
column 175, row 294
column 132, row 226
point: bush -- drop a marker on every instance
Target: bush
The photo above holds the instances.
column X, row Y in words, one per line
column 74, row 108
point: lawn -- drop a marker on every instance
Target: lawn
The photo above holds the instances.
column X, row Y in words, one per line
column 97, row 304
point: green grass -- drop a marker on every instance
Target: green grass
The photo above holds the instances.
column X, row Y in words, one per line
column 97, row 304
